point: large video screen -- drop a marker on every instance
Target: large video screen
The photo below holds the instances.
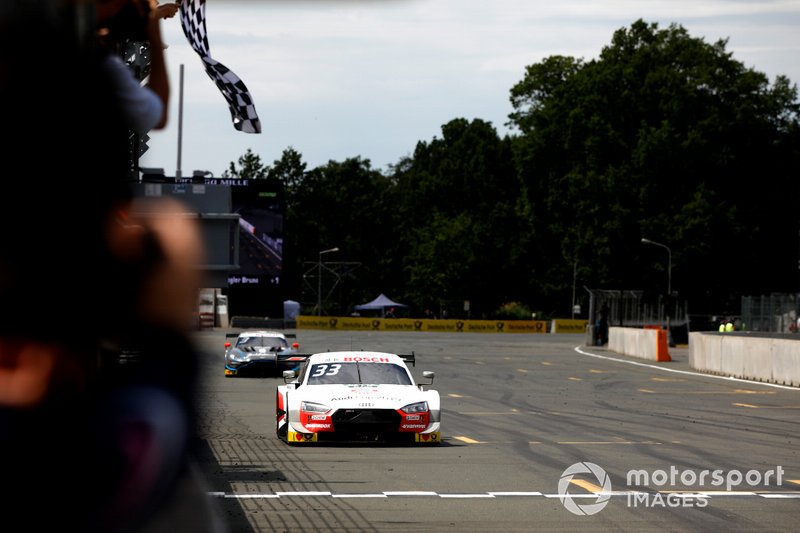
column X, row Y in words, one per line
column 259, row 204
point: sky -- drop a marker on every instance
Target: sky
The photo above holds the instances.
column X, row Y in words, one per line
column 336, row 79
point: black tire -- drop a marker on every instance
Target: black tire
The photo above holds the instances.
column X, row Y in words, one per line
column 281, row 433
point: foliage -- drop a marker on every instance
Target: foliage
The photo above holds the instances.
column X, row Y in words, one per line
column 513, row 311
column 662, row 136
column 250, row 167
column 654, row 139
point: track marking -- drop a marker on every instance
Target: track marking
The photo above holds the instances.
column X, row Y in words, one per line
column 489, row 413
column 484, row 495
column 703, row 392
column 246, row 496
column 305, row 493
column 453, row 395
column 708, row 493
column 795, row 481
column 603, row 442
column 591, row 487
column 575, row 379
column 751, row 406
column 686, row 372
column 515, row 493
column 359, row 495
column 546, row 363
column 467, row 439
column 412, row 493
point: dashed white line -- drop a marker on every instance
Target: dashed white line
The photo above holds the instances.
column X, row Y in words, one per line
column 501, row 494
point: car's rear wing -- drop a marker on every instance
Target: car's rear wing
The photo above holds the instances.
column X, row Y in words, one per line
column 287, row 335
column 287, row 361
column 409, row 359
column 293, row 359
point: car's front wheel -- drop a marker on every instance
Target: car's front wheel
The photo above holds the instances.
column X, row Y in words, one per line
column 280, row 430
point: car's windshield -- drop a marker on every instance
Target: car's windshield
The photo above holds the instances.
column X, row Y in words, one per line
column 273, row 343
column 347, row 373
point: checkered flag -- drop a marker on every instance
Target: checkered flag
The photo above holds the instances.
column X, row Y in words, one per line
column 243, row 111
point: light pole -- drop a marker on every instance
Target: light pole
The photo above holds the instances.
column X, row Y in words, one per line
column 319, row 279
column 669, row 280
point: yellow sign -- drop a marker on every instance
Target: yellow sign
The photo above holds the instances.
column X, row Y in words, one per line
column 566, row 325
column 421, row 324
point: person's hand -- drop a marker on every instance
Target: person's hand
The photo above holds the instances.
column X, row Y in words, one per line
column 168, row 295
column 165, row 11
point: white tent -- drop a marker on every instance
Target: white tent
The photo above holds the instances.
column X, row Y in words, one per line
column 381, row 303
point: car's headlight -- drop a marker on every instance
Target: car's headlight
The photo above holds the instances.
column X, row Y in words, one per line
column 239, row 356
column 310, row 407
column 419, row 407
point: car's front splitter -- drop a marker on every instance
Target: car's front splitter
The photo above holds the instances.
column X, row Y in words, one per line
column 252, row 368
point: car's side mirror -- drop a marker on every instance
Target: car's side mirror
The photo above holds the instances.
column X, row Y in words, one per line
column 295, row 345
column 428, row 374
column 227, row 345
column 289, row 375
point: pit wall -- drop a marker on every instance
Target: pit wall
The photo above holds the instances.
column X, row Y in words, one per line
column 773, row 360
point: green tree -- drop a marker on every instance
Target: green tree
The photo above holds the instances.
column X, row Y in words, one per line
column 290, row 170
column 250, row 168
column 342, row 204
column 459, row 228
column 661, row 137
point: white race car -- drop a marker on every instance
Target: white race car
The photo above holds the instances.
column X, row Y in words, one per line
column 356, row 396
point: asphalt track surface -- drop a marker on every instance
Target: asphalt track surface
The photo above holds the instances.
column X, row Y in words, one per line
column 539, row 433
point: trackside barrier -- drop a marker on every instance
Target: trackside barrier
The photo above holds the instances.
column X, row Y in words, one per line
column 768, row 359
column 648, row 344
column 568, row 325
column 443, row 326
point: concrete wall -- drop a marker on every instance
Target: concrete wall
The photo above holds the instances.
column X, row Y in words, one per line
column 741, row 355
column 774, row 360
column 650, row 344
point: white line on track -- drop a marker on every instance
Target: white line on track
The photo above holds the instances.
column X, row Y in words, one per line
column 685, row 372
column 495, row 495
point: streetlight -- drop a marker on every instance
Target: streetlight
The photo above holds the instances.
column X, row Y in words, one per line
column 669, row 280
column 319, row 279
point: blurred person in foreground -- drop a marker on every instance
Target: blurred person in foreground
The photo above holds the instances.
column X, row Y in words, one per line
column 86, row 283
column 145, row 106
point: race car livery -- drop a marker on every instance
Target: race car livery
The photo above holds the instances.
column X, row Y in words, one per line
column 255, row 352
column 356, row 396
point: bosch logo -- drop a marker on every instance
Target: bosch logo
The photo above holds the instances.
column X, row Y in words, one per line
column 603, row 496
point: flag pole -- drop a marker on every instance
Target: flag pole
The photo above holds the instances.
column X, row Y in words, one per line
column 180, row 123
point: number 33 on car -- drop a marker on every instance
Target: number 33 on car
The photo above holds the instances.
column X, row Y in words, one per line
column 357, row 396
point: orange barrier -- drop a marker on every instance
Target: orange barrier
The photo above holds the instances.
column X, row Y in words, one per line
column 662, row 351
